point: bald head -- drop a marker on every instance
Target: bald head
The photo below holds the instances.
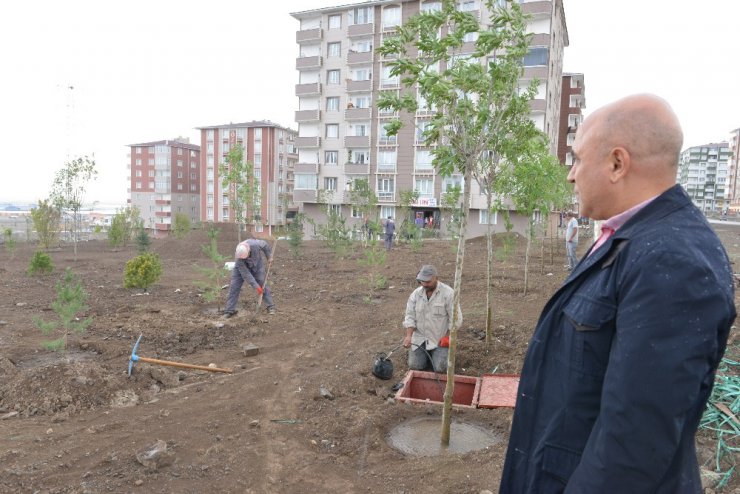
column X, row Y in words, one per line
column 646, row 126
column 626, row 152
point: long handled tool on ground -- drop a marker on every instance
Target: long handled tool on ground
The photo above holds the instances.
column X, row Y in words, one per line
column 267, row 274
column 136, row 358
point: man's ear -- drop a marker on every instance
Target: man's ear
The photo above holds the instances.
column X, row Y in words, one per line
column 620, row 164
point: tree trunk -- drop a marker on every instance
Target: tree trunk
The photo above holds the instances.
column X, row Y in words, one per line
column 526, row 259
column 460, row 258
column 489, row 274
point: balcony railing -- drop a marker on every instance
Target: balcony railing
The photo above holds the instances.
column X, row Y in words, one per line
column 308, row 115
column 302, row 195
column 308, row 142
column 308, row 35
column 302, row 63
column 308, row 89
column 357, row 114
column 359, row 86
column 386, row 196
column 364, row 57
column 360, row 29
column 307, row 168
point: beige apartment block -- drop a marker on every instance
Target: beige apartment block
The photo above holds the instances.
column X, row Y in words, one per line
column 703, row 171
column 341, row 135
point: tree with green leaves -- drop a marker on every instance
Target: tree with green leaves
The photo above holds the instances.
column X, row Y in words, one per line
column 215, row 274
column 181, row 226
column 9, row 241
column 122, row 226
column 335, row 231
column 46, row 218
column 460, row 86
column 237, row 177
column 68, row 191
column 537, row 185
column 70, row 302
column 408, row 231
column 295, row 234
column 363, row 199
column 142, row 271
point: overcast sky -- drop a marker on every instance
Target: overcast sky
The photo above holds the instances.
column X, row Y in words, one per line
column 89, row 77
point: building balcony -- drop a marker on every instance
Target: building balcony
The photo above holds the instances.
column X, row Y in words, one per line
column 386, row 168
column 306, row 35
column 390, row 83
column 387, row 140
column 308, row 89
column 357, row 114
column 162, row 202
column 356, row 168
column 540, row 39
column 354, row 57
column 359, row 86
column 386, row 196
column 357, row 141
column 308, row 115
column 304, row 63
column 307, row 168
column 539, row 72
column 537, row 8
column 537, row 105
column 301, row 195
column 360, row 30
column 162, row 214
column 308, row 142
column 162, row 226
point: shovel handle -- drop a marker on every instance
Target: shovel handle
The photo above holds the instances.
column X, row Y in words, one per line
column 183, row 366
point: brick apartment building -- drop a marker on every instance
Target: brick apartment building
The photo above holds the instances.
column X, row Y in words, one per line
column 164, row 180
column 572, row 103
column 271, row 148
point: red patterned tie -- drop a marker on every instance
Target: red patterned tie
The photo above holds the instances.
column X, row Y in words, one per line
column 606, row 232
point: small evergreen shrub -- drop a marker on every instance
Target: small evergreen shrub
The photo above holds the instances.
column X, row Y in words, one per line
column 142, row 271
column 40, row 264
column 70, row 301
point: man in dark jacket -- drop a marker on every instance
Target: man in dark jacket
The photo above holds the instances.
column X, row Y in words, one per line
column 623, row 358
column 249, row 266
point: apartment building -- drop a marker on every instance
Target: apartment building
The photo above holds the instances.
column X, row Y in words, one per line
column 341, row 135
column 733, row 194
column 271, row 148
column 572, row 103
column 164, row 180
column 703, row 173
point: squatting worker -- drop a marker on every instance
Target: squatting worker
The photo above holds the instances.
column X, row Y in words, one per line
column 623, row 358
column 249, row 266
column 428, row 321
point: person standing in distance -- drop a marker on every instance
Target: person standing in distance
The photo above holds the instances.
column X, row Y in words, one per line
column 428, row 321
column 390, row 228
column 249, row 266
column 571, row 240
column 622, row 361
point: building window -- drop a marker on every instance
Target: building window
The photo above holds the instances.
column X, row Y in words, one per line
column 332, row 76
column 192, row 164
column 138, row 173
column 179, row 174
column 258, row 160
column 179, row 186
column 332, row 130
column 387, row 212
column 536, row 56
column 360, row 15
column 423, row 159
column 334, row 209
column 331, row 157
column 356, row 213
column 151, row 173
column 334, row 49
column 487, row 219
column 330, row 183
column 468, row 5
column 257, row 134
column 358, row 156
column 179, row 162
column 332, row 103
column 335, row 21
column 138, row 150
column 424, row 186
column 391, row 17
column 192, row 187
column 138, row 185
column 387, row 160
column 138, row 161
column 431, row 6
column 179, row 151
column 192, row 176
column 361, row 46
column 305, row 181
column 361, row 75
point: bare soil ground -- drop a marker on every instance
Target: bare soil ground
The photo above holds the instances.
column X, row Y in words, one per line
column 74, row 422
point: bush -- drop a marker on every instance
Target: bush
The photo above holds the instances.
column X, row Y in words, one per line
column 40, row 264
column 142, row 271
column 9, row 241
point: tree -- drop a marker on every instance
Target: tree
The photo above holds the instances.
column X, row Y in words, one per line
column 365, row 201
column 295, row 234
column 181, row 226
column 9, row 241
column 122, row 226
column 68, row 191
column 537, row 185
column 237, row 177
column 461, row 89
column 408, row 230
column 46, row 219
column 70, row 301
column 215, row 274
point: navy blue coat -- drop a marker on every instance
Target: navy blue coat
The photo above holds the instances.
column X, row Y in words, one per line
column 622, row 361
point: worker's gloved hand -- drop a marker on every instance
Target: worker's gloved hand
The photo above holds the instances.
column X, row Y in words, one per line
column 444, row 342
column 259, row 290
